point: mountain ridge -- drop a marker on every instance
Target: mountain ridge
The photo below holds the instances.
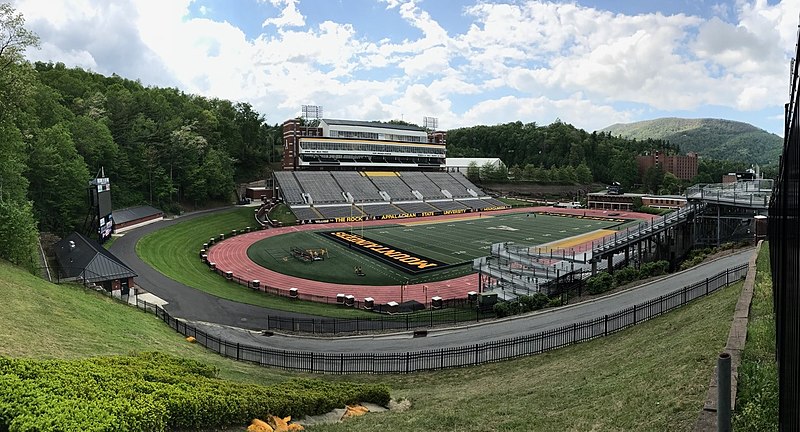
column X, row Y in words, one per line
column 709, row 137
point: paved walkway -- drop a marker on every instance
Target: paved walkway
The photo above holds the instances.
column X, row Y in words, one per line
column 484, row 332
column 231, row 319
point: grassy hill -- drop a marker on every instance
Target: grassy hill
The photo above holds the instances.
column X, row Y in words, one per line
column 604, row 384
column 712, row 138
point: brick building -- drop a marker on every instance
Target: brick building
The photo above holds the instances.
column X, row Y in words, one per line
column 683, row 167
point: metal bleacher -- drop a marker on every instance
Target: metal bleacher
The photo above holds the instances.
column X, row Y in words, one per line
column 380, row 209
column 339, row 211
column 377, row 194
column 305, row 213
column 495, row 202
column 445, row 181
column 448, row 205
column 359, row 186
column 321, row 186
column 475, row 204
column 393, row 185
column 464, row 181
column 292, row 192
column 416, row 207
column 421, row 183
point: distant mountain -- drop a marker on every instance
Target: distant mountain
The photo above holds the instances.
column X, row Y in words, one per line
column 712, row 138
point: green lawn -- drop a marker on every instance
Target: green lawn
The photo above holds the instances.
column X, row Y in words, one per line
column 635, row 380
column 43, row 320
column 174, row 252
column 453, row 242
column 757, row 395
column 283, row 214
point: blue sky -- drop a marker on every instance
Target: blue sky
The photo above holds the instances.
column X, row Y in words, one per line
column 591, row 63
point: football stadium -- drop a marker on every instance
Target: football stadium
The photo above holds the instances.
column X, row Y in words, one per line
column 380, row 217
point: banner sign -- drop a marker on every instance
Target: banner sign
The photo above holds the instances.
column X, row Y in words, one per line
column 396, row 257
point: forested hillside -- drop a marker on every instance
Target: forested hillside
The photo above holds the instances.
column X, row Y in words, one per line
column 710, row 138
column 59, row 126
column 533, row 151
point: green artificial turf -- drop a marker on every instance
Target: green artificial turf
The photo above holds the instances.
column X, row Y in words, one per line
column 455, row 242
column 174, row 252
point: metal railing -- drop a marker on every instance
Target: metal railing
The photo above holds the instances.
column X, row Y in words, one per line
column 468, row 355
column 784, row 247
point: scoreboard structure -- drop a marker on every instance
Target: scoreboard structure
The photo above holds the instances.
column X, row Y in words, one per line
column 101, row 209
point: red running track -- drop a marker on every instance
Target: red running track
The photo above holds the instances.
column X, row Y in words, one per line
column 231, row 255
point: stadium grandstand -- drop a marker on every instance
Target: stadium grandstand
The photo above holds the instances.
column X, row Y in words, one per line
column 344, row 170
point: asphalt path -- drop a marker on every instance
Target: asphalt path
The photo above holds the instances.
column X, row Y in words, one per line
column 485, row 332
column 186, row 302
column 240, row 322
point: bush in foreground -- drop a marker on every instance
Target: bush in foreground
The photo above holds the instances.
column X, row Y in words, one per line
column 153, row 392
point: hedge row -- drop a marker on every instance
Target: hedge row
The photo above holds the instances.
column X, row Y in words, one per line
column 603, row 282
column 153, row 392
column 523, row 304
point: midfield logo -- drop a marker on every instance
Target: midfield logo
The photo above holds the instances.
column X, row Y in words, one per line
column 399, row 258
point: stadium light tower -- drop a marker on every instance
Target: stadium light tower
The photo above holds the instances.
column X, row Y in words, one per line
column 431, row 123
column 311, row 111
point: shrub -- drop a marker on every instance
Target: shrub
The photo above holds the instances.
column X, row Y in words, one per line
column 600, row 283
column 532, row 302
column 154, row 392
column 554, row 302
column 651, row 269
column 625, row 275
column 501, row 309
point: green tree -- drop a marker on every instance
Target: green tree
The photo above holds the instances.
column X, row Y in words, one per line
column 18, row 235
column 652, row 178
column 473, row 172
column 58, row 180
column 583, row 173
column 670, row 185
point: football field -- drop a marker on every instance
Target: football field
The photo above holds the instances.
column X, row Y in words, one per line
column 415, row 252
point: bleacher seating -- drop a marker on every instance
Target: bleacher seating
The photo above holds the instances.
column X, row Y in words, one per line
column 445, row 181
column 326, row 188
column 419, row 182
column 290, row 189
column 397, row 189
column 359, row 186
column 495, row 202
column 474, row 204
column 416, row 207
column 305, row 213
column 448, row 205
column 321, row 186
column 380, row 209
column 464, row 181
column 339, row 211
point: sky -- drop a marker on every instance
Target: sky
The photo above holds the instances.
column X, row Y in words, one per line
column 590, row 63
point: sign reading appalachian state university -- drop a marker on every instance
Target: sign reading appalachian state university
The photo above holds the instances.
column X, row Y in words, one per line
column 399, row 258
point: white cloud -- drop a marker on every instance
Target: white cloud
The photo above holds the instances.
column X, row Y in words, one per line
column 290, row 16
column 529, row 60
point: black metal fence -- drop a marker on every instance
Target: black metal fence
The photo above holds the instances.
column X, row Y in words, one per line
column 407, row 321
column 469, row 355
column 784, row 247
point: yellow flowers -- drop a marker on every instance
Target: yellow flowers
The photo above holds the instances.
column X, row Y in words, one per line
column 274, row 424
column 355, row 411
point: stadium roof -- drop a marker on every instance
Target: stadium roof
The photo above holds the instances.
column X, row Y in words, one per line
column 134, row 213
column 464, row 162
column 86, row 258
column 373, row 124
